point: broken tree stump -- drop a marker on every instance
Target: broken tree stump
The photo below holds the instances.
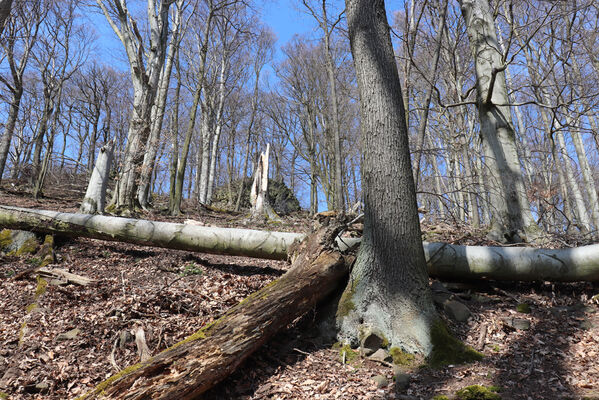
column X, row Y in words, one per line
column 196, row 364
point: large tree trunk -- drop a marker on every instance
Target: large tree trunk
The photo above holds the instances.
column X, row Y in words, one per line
column 199, row 362
column 388, row 287
column 444, row 260
column 512, row 218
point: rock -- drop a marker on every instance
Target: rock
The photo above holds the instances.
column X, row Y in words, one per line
column 402, row 381
column 586, row 324
column 371, row 341
column 17, row 242
column 457, row 311
column 517, row 323
column 437, row 286
column 381, row 355
column 9, row 376
column 380, row 381
column 40, row 387
column 72, row 334
column 440, row 298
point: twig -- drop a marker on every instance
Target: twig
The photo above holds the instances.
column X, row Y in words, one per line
column 480, row 344
column 111, row 357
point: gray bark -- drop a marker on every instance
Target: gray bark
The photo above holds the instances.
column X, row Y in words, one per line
column 95, row 196
column 388, row 285
column 512, row 218
column 5, row 6
column 148, row 165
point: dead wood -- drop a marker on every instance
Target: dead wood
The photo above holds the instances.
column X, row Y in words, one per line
column 196, row 364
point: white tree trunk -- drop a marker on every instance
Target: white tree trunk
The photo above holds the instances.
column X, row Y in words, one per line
column 95, row 196
column 512, row 218
column 259, row 190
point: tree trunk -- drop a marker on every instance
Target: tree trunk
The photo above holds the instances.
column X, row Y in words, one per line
column 388, row 286
column 447, row 261
column 240, row 242
column 9, row 129
column 5, row 6
column 512, row 218
column 194, row 365
column 95, row 196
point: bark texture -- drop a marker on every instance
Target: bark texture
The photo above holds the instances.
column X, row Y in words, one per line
column 240, row 242
column 513, row 263
column 512, row 218
column 388, row 287
column 95, row 196
column 196, row 364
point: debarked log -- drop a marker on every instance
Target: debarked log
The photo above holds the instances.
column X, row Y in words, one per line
column 196, row 364
column 214, row 240
column 448, row 261
column 445, row 261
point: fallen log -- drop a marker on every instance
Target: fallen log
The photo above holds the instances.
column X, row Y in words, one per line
column 452, row 262
column 229, row 241
column 445, row 261
column 196, row 364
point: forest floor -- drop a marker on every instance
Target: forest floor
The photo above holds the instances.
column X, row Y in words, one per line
column 76, row 336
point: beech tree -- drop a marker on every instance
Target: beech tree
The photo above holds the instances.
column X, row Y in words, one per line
column 146, row 62
column 512, row 217
column 388, row 285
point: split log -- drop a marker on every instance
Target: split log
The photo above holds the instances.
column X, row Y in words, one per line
column 65, row 276
column 445, row 261
column 199, row 362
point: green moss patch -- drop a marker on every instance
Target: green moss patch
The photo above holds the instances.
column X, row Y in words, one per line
column 42, row 284
column 3, row 396
column 350, row 354
column 449, row 350
column 478, row 392
column 5, row 238
column 523, row 308
column 28, row 247
column 402, row 358
column 440, row 397
column 346, row 304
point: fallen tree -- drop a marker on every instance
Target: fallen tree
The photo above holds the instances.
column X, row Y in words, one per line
column 199, row 362
column 445, row 261
column 236, row 242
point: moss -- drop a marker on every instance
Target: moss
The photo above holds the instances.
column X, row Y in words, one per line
column 106, row 384
column 350, row 354
column 3, row 396
column 400, row 357
column 22, row 331
column 523, row 308
column 346, row 305
column 440, row 397
column 46, row 252
column 5, row 238
column 28, row 247
column 449, row 350
column 495, row 347
column 42, row 284
column 477, row 392
column 31, row 307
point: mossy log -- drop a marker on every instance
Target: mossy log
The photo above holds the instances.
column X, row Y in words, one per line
column 196, row 364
